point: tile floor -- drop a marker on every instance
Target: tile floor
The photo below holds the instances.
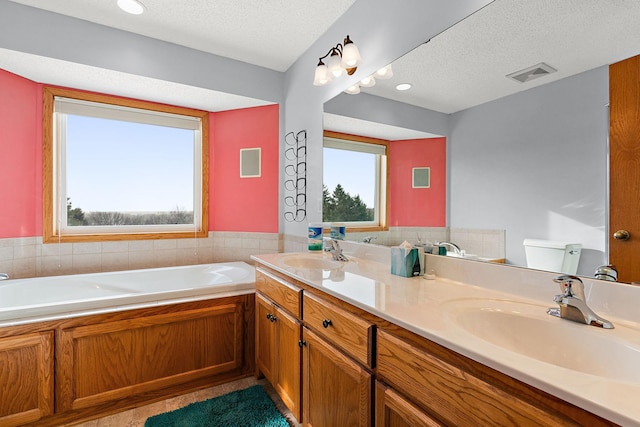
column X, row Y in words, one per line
column 136, row 417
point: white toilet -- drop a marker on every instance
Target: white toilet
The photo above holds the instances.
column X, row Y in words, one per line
column 553, row 256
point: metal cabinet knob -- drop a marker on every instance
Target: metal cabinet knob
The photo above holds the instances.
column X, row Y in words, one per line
column 621, row 235
column 326, row 323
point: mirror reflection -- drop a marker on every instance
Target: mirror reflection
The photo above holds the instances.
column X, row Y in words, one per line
column 519, row 91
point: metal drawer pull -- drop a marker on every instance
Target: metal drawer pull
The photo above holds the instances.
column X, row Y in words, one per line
column 326, row 323
column 301, row 343
column 271, row 317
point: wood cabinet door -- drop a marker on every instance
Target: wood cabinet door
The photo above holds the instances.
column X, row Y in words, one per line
column 26, row 378
column 289, row 361
column 265, row 338
column 392, row 410
column 337, row 390
column 107, row 362
column 624, row 167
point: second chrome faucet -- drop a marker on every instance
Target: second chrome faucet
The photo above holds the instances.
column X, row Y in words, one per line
column 572, row 303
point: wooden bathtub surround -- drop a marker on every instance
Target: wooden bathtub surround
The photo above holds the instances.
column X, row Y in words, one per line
column 26, row 378
column 110, row 362
column 362, row 370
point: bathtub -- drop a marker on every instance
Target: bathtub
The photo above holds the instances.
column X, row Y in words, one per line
column 56, row 297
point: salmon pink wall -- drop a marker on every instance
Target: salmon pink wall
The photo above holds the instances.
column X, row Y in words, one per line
column 243, row 204
column 236, row 204
column 20, row 157
column 413, row 207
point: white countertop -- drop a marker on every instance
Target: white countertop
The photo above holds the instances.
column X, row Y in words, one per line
column 425, row 307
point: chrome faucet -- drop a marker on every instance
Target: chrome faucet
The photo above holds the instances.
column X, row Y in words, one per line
column 573, row 305
column 607, row 272
column 368, row 239
column 454, row 248
column 4, row 276
column 336, row 251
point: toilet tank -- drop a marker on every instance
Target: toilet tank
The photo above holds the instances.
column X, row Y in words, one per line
column 550, row 255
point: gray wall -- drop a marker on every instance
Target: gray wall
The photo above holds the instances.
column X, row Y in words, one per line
column 39, row 32
column 386, row 111
column 535, row 164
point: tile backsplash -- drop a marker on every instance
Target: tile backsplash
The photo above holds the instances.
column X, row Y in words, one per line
column 29, row 257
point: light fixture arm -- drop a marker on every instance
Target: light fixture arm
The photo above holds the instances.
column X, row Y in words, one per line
column 337, row 48
column 342, row 58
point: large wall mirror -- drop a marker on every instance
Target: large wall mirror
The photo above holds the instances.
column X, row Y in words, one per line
column 520, row 91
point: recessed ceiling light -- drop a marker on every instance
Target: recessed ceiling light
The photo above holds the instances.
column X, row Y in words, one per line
column 133, row 7
column 403, row 86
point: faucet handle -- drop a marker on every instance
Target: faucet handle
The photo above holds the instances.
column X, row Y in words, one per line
column 570, row 286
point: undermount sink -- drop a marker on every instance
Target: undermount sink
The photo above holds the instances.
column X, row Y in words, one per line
column 527, row 329
column 312, row 262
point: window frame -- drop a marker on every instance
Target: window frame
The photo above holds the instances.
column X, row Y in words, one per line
column 383, row 184
column 51, row 234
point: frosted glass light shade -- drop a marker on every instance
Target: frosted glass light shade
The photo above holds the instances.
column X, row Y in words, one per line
column 384, row 73
column 350, row 55
column 322, row 75
column 353, row 90
column 335, row 66
column 368, row 82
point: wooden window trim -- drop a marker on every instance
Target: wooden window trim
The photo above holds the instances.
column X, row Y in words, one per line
column 49, row 234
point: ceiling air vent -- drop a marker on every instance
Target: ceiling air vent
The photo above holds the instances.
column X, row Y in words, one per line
column 532, row 73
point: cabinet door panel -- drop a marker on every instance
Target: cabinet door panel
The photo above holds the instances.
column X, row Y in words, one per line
column 26, row 378
column 392, row 410
column 110, row 361
column 265, row 338
column 289, row 362
column 337, row 390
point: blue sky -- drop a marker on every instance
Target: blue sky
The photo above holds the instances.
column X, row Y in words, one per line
column 121, row 166
column 354, row 171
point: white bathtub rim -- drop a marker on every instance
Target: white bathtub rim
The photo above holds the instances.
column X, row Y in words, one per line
column 11, row 316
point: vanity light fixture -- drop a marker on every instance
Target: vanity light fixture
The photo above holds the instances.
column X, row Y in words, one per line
column 133, row 7
column 343, row 58
column 403, row 86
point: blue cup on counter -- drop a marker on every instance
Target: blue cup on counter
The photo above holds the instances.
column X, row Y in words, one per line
column 337, row 231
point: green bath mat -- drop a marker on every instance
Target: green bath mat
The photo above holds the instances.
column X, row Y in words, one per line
column 251, row 407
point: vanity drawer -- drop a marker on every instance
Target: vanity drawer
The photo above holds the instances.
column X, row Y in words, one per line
column 286, row 295
column 452, row 394
column 347, row 331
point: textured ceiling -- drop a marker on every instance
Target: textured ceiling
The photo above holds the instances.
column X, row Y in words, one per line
column 466, row 65
column 462, row 67
column 269, row 33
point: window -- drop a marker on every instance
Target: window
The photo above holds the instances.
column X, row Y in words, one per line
column 354, row 181
column 118, row 169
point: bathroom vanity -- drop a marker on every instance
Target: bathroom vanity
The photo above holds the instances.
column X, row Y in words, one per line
column 364, row 347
